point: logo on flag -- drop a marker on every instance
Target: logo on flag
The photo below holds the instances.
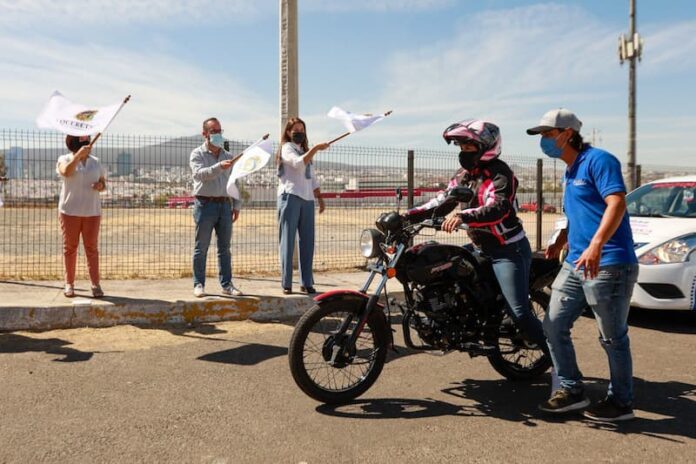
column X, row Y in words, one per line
column 251, row 163
column 255, row 157
column 86, row 115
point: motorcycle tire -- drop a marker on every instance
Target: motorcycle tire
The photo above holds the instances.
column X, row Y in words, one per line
column 514, row 370
column 309, row 355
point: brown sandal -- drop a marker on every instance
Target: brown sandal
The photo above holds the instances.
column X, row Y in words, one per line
column 97, row 292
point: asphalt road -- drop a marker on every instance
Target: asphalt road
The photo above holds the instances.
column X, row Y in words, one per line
column 223, row 394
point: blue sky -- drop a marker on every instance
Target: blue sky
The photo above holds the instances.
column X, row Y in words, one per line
column 431, row 61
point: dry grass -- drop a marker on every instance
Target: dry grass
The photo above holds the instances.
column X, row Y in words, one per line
column 158, row 243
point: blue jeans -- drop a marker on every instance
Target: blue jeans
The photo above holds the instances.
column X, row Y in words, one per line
column 511, row 267
column 296, row 217
column 609, row 296
column 209, row 216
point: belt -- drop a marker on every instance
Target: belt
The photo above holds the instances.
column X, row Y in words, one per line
column 213, row 199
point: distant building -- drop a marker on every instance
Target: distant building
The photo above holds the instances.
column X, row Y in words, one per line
column 124, row 164
column 14, row 163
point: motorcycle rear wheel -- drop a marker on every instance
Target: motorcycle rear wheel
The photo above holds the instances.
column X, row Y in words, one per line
column 317, row 335
column 516, row 361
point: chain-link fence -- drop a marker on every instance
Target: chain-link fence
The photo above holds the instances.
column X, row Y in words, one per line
column 147, row 226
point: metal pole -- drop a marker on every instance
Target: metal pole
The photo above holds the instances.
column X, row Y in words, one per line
column 632, row 101
column 289, row 82
column 539, row 201
column 411, row 158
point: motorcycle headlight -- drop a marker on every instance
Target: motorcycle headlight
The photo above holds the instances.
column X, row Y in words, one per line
column 675, row 251
column 370, row 240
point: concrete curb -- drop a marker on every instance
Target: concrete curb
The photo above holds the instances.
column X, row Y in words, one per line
column 99, row 313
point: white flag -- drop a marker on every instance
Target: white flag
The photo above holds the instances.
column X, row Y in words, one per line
column 354, row 122
column 255, row 157
column 75, row 119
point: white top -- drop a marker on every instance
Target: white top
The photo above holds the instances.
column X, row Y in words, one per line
column 77, row 197
column 293, row 179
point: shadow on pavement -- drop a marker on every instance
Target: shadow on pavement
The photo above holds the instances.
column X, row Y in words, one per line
column 672, row 321
column 246, row 355
column 392, row 408
column 31, row 284
column 664, row 410
column 13, row 343
column 672, row 402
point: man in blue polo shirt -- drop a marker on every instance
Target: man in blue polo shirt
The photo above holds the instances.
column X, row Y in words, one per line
column 600, row 270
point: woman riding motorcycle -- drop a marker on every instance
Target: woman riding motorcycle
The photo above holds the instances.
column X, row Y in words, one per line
column 494, row 227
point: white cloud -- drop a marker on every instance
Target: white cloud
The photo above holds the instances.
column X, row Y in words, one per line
column 125, row 11
column 671, row 46
column 375, row 5
column 170, row 97
column 510, row 66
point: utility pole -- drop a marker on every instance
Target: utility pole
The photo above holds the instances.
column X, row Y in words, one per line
column 630, row 49
column 289, row 95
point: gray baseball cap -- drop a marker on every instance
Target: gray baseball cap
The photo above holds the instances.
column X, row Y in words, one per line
column 559, row 118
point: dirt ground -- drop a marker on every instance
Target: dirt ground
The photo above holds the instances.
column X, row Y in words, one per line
column 158, row 243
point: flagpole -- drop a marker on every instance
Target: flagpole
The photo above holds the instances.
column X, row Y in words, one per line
column 96, row 137
column 239, row 155
column 348, row 133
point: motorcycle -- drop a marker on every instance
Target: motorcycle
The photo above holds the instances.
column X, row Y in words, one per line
column 452, row 301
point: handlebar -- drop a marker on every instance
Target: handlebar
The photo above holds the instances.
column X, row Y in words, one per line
column 436, row 223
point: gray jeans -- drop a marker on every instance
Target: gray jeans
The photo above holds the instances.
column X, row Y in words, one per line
column 609, row 297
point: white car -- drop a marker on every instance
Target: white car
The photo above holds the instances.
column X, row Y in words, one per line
column 663, row 221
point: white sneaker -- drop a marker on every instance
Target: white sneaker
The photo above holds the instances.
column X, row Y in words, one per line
column 232, row 290
column 198, row 291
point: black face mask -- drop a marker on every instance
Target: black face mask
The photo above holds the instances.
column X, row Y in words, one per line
column 74, row 143
column 298, row 137
column 468, row 160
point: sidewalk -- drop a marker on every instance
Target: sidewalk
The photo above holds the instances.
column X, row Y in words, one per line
column 40, row 305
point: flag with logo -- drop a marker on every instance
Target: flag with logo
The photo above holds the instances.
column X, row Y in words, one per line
column 354, row 122
column 255, row 157
column 75, row 119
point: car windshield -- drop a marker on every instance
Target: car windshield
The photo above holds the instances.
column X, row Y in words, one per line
column 663, row 199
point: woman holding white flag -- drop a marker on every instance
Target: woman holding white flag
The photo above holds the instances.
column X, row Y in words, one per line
column 297, row 189
column 79, row 208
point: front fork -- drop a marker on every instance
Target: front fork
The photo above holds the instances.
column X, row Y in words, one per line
column 377, row 268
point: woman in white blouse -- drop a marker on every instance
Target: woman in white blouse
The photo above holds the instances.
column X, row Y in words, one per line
column 79, row 208
column 297, row 189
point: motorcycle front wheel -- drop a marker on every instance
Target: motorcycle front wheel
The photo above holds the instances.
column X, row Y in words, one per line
column 517, row 359
column 323, row 362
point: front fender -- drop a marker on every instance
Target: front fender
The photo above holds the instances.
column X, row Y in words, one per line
column 345, row 295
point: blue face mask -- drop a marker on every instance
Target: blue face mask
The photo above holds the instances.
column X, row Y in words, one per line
column 217, row 140
column 548, row 146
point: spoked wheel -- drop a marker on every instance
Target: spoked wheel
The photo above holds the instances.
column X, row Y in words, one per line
column 323, row 362
column 517, row 358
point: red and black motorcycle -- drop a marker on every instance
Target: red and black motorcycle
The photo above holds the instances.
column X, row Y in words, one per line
column 452, row 301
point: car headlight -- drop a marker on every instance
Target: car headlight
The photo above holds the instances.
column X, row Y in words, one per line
column 675, row 251
column 370, row 240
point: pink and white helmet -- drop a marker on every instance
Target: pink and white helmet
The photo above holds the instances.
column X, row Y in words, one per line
column 485, row 135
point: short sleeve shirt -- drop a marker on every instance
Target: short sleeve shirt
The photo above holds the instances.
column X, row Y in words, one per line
column 77, row 197
column 594, row 175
